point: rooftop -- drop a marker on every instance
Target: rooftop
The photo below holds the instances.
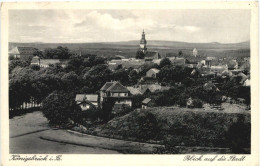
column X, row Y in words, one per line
column 89, row 97
column 146, row 101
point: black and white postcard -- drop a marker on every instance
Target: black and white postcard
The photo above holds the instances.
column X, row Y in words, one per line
column 129, row 83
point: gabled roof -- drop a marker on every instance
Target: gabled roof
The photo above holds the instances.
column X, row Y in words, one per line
column 134, row 91
column 35, row 59
column 22, row 50
column 177, row 60
column 154, row 70
column 143, row 90
column 49, row 61
column 152, row 55
column 106, row 86
column 117, row 87
column 146, row 101
column 89, row 97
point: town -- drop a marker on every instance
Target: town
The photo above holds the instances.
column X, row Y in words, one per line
column 133, row 97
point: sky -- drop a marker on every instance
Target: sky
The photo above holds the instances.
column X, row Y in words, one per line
column 80, row 26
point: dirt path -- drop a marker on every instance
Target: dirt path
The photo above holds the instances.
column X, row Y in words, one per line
column 121, row 146
column 25, row 133
column 30, row 134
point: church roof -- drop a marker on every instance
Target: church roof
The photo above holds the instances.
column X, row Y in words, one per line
column 143, row 40
column 152, row 55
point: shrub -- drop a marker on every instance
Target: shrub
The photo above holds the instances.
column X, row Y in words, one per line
column 148, row 126
column 197, row 103
column 59, row 108
column 238, row 135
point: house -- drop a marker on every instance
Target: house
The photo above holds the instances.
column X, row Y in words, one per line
column 126, row 63
column 208, row 62
column 157, row 61
column 243, row 77
column 177, row 61
column 134, row 91
column 116, row 91
column 138, row 69
column 195, row 52
column 210, row 58
column 152, row 73
column 218, row 69
column 227, row 73
column 87, row 101
column 152, row 55
column 190, row 103
column 146, row 103
column 232, row 65
column 23, row 53
column 151, row 88
column 119, row 56
column 35, row 61
column 47, row 62
column 44, row 63
column 247, row 82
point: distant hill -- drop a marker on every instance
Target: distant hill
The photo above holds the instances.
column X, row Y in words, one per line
column 175, row 44
column 134, row 44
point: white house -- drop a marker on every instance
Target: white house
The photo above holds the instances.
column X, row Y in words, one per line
column 87, row 101
column 152, row 73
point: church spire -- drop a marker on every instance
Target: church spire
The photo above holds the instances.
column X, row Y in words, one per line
column 143, row 43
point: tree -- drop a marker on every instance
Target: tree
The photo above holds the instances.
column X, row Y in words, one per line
column 239, row 135
column 106, row 110
column 121, row 76
column 180, row 53
column 165, row 62
column 20, row 86
column 59, row 108
column 70, row 80
column 140, row 54
column 38, row 53
column 56, row 53
column 14, row 63
column 97, row 76
column 133, row 77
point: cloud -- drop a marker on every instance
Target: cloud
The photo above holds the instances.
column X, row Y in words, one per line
column 123, row 25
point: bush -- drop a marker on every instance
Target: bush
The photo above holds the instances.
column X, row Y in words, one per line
column 148, row 126
column 197, row 103
column 125, row 110
column 58, row 108
column 238, row 135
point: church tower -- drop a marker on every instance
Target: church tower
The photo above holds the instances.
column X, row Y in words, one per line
column 143, row 43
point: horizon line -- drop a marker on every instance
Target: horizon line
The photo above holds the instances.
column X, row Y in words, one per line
column 130, row 41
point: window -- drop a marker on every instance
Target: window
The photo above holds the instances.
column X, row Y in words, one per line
column 115, row 94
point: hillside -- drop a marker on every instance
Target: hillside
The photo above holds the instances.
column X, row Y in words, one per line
column 135, row 44
column 180, row 127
